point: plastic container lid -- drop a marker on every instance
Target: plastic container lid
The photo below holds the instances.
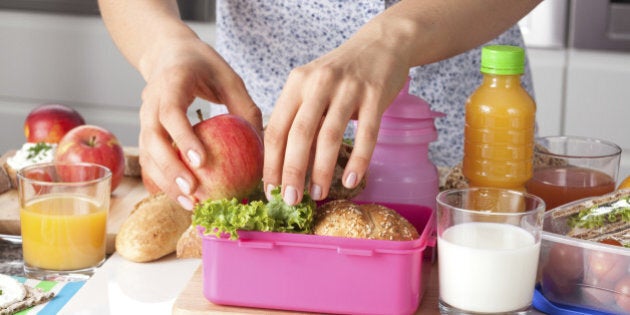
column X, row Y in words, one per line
column 410, row 106
column 541, row 303
column 502, row 59
column 409, row 119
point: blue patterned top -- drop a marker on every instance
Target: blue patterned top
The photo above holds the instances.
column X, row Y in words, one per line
column 263, row 40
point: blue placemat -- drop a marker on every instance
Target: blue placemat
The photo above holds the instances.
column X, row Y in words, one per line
column 63, row 292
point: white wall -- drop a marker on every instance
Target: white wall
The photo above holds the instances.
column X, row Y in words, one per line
column 548, row 73
column 54, row 58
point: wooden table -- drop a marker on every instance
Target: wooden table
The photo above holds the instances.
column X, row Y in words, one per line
column 192, row 302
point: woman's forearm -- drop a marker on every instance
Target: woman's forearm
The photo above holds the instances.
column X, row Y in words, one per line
column 425, row 31
column 140, row 27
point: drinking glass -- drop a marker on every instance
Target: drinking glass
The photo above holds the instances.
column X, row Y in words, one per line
column 63, row 218
column 569, row 168
column 488, row 248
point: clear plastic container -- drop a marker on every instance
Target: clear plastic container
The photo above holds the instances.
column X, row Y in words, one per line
column 500, row 122
column 400, row 170
column 321, row 274
column 581, row 273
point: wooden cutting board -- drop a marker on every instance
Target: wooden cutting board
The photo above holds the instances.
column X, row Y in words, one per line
column 192, row 302
column 127, row 194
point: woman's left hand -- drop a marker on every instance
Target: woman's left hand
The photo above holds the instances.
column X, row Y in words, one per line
column 358, row 81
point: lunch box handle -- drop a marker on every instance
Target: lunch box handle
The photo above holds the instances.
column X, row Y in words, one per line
column 355, row 252
column 255, row 244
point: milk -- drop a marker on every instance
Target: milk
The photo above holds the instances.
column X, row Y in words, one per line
column 487, row 267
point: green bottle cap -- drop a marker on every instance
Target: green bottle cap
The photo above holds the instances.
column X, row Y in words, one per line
column 502, row 59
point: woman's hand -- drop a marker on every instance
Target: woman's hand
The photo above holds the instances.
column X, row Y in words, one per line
column 358, row 80
column 177, row 71
column 177, row 67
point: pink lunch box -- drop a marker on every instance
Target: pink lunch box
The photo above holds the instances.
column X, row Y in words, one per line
column 321, row 273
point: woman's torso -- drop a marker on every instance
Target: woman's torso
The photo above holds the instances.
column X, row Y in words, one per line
column 263, row 40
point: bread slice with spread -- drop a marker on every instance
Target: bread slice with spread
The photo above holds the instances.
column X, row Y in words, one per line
column 606, row 217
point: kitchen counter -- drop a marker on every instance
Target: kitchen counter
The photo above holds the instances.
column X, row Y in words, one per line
column 119, row 286
column 124, row 287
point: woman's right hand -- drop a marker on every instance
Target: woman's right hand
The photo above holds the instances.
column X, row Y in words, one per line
column 178, row 70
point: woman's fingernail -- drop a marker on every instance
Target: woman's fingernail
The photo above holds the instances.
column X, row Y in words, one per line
column 194, row 158
column 351, row 180
column 270, row 187
column 290, row 195
column 185, row 202
column 183, row 185
column 316, row 192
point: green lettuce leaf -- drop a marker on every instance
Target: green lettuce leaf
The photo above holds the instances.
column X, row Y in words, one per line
column 229, row 216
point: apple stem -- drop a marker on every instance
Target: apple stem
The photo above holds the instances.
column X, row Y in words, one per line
column 92, row 142
column 199, row 114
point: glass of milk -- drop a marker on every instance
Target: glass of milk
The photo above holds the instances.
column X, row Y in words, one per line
column 488, row 247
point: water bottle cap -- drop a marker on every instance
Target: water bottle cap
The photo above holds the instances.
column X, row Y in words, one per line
column 410, row 106
column 502, row 59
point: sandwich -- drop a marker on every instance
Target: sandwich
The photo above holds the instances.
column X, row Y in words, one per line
column 600, row 219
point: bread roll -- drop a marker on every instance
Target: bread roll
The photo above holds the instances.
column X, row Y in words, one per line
column 8, row 174
column 6, row 181
column 189, row 244
column 132, row 162
column 152, row 229
column 343, row 218
column 452, row 177
column 337, row 189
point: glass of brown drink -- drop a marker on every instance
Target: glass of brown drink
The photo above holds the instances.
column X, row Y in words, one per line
column 568, row 168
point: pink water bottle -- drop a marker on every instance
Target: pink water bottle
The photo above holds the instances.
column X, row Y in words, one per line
column 400, row 170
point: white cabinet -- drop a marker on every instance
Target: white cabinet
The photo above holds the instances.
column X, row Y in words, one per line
column 597, row 100
column 584, row 93
column 47, row 58
column 578, row 92
column 56, row 58
column 548, row 69
column 598, row 95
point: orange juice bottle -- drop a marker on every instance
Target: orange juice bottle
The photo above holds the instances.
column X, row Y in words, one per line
column 500, row 120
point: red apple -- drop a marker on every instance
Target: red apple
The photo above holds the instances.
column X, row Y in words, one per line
column 622, row 293
column 605, row 266
column 234, row 163
column 50, row 122
column 565, row 262
column 36, row 176
column 93, row 144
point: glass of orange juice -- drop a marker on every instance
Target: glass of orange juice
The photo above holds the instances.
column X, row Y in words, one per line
column 569, row 168
column 63, row 218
